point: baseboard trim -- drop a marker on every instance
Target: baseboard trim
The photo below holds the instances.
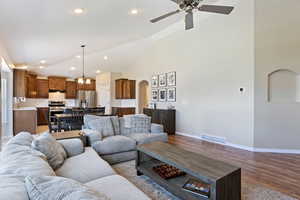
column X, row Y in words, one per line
column 243, row 147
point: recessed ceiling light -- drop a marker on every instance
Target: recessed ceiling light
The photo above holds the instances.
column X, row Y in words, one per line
column 98, row 71
column 105, row 57
column 43, row 61
column 134, row 11
column 78, row 56
column 42, row 67
column 78, row 11
column 72, row 68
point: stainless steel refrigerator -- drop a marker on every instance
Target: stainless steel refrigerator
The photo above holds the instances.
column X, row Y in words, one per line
column 86, row 99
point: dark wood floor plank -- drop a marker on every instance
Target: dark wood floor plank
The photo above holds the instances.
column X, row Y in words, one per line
column 280, row 172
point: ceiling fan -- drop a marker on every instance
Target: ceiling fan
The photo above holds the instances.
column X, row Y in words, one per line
column 189, row 6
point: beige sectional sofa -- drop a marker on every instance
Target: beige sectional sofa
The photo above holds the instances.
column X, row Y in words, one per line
column 18, row 160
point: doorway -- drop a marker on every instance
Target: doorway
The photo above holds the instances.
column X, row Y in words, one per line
column 143, row 95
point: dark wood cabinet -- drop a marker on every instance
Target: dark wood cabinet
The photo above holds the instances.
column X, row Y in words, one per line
column 165, row 117
column 20, row 82
column 91, row 86
column 57, row 83
column 125, row 89
column 31, row 86
column 42, row 88
column 42, row 116
column 121, row 111
column 71, row 90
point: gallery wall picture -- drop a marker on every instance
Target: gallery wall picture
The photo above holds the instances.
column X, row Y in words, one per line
column 154, row 81
column 171, row 94
column 162, row 80
column 163, row 95
column 154, row 95
column 171, row 79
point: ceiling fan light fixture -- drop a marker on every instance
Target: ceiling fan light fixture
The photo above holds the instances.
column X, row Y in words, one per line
column 88, row 81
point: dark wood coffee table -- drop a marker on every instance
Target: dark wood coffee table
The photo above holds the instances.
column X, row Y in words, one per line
column 224, row 179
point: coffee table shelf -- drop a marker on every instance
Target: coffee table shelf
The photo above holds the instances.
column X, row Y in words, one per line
column 224, row 179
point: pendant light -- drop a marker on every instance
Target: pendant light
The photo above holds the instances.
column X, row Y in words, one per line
column 83, row 80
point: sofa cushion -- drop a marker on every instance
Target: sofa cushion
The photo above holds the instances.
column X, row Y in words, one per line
column 116, row 124
column 143, row 138
column 12, row 187
column 85, row 167
column 87, row 119
column 122, row 188
column 53, row 150
column 114, row 144
column 23, row 139
column 103, row 125
column 23, row 161
column 92, row 136
column 58, row 188
column 73, row 147
column 136, row 124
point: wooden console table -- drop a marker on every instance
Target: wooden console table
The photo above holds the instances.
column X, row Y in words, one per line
column 165, row 117
column 224, row 180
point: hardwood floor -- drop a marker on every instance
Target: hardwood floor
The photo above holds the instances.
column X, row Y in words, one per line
column 280, row 172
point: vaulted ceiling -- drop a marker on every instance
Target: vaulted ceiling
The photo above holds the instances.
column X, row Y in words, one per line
column 35, row 30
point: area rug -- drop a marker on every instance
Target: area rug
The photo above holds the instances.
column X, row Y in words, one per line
column 155, row 192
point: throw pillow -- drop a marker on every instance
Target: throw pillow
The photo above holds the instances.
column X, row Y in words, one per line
column 22, row 138
column 53, row 150
column 59, row 188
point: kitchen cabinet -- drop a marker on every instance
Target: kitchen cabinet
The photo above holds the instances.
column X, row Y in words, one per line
column 42, row 116
column 121, row 111
column 20, row 82
column 71, row 90
column 91, row 86
column 42, row 88
column 125, row 89
column 57, row 83
column 31, row 86
column 25, row 120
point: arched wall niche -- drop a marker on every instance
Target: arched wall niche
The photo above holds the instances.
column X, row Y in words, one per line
column 284, row 86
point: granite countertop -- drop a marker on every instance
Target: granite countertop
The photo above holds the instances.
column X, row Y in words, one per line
column 26, row 108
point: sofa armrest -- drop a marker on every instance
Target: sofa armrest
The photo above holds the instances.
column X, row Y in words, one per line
column 73, row 147
column 157, row 128
column 92, row 136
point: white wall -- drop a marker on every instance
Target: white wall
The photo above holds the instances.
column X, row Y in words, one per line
column 277, row 47
column 7, row 129
column 212, row 62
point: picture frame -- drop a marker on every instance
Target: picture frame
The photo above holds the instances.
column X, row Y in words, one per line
column 171, row 94
column 154, row 95
column 163, row 95
column 171, row 78
column 162, row 78
column 154, row 81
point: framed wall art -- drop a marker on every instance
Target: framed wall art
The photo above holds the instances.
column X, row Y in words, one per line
column 171, row 94
column 162, row 80
column 154, row 81
column 163, row 95
column 171, row 79
column 154, row 95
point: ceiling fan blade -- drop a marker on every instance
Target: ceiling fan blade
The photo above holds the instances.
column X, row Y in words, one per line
column 189, row 20
column 164, row 16
column 226, row 10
